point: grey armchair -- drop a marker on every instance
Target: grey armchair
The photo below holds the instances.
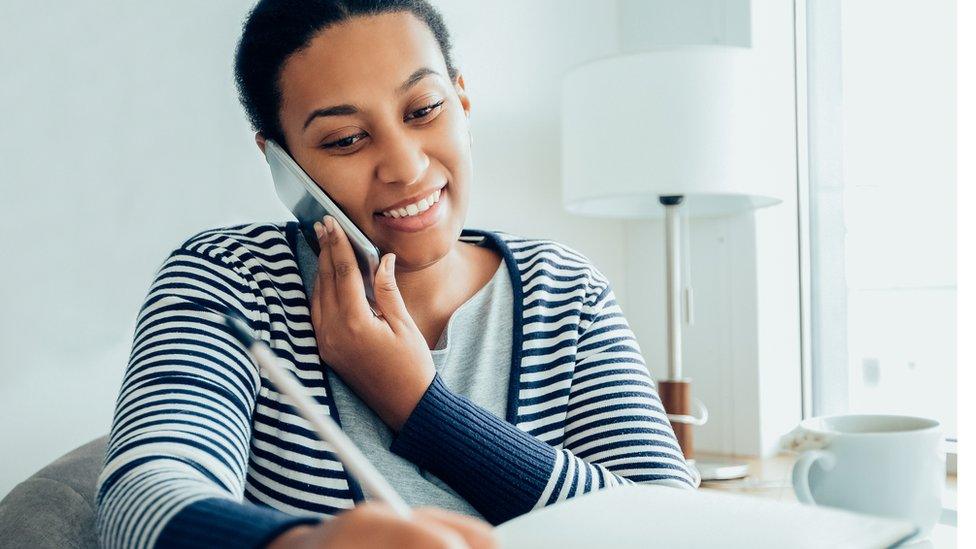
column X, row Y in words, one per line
column 56, row 506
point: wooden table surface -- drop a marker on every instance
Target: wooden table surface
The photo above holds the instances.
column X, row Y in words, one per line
column 772, row 478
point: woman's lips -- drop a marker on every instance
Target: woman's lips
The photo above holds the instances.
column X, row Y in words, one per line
column 419, row 222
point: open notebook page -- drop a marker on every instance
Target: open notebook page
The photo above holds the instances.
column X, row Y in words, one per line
column 665, row 517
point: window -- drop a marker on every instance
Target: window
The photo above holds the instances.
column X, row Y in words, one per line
column 881, row 133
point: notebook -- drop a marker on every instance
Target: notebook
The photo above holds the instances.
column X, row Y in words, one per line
column 665, row 517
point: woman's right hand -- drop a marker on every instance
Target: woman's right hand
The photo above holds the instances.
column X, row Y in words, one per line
column 384, row 359
column 373, row 525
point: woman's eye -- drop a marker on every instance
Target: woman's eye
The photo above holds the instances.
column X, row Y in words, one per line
column 347, row 142
column 426, row 110
column 343, row 143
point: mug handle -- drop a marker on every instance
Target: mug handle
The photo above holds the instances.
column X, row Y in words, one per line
column 801, row 472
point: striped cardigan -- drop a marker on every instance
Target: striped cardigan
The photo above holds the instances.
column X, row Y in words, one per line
column 204, row 451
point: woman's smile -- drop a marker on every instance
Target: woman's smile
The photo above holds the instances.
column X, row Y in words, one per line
column 418, row 221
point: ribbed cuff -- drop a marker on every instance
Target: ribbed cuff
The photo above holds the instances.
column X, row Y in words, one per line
column 219, row 522
column 498, row 468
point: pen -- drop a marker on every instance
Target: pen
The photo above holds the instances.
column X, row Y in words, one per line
column 324, row 426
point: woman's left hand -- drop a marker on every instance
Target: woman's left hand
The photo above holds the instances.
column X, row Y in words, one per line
column 384, row 359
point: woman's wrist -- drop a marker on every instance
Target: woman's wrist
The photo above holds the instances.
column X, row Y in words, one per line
column 400, row 405
column 373, row 525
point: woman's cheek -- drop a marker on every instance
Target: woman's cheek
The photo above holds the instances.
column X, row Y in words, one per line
column 348, row 189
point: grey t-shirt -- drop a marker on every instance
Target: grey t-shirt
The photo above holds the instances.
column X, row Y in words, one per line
column 473, row 356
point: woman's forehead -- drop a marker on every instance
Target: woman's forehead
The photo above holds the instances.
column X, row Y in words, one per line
column 359, row 60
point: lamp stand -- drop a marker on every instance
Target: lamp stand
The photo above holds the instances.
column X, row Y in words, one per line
column 675, row 391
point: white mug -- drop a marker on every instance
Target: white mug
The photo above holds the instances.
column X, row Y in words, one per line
column 884, row 465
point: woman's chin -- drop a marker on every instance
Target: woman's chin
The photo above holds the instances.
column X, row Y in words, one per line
column 417, row 255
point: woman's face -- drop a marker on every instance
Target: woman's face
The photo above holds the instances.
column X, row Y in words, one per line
column 384, row 146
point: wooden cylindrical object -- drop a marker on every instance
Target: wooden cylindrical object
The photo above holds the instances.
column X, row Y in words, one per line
column 676, row 397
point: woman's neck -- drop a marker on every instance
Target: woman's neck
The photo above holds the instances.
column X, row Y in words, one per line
column 433, row 293
column 433, row 288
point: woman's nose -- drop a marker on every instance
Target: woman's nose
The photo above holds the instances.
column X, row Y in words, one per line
column 402, row 159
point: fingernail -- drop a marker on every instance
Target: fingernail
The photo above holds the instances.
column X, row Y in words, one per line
column 329, row 224
column 318, row 229
column 390, row 263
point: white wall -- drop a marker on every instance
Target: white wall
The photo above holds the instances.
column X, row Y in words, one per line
column 122, row 136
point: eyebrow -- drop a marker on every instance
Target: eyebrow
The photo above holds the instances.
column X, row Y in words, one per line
column 340, row 110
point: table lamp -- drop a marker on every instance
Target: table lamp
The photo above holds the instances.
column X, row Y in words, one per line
column 656, row 134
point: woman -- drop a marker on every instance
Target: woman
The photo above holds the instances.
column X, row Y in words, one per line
column 500, row 376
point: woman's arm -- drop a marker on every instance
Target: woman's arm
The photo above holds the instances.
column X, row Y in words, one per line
column 616, row 431
column 178, row 451
column 615, row 417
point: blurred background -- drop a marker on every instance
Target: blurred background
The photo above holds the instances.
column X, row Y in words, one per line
column 122, row 136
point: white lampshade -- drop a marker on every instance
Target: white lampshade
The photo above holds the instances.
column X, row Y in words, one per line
column 672, row 121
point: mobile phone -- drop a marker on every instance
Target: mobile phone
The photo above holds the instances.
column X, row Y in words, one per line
column 309, row 203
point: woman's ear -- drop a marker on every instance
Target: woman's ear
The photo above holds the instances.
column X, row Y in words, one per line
column 465, row 102
column 259, row 139
column 462, row 94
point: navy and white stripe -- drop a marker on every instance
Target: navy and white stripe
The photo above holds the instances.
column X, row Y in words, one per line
column 204, row 450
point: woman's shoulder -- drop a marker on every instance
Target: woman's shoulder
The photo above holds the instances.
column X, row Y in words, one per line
column 238, row 241
column 535, row 255
column 234, row 252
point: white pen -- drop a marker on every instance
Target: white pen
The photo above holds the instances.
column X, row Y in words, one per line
column 327, row 429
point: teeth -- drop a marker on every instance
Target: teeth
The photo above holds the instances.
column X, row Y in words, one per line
column 416, row 208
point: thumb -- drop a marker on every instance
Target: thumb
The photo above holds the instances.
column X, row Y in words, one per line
column 387, row 293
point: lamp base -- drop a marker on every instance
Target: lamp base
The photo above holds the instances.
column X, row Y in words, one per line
column 675, row 395
column 711, row 469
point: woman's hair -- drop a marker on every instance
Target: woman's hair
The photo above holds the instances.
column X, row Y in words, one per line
column 276, row 29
